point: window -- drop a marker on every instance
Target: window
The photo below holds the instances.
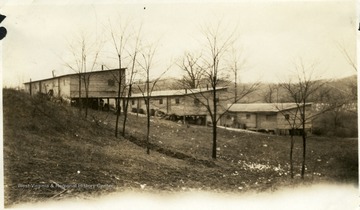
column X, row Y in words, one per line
column 160, row 101
column 133, row 102
column 111, row 82
column 287, row 117
column 217, row 100
column 267, row 117
column 177, row 100
column 247, row 116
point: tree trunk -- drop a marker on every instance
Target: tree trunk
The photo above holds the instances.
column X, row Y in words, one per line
column 304, row 142
column 117, row 116
column 148, row 114
column 291, row 154
column 137, row 108
column 86, row 83
column 118, row 109
column 148, row 125
column 87, row 104
column 214, row 122
column 214, row 140
column 80, row 101
column 126, row 110
column 148, row 129
column 236, row 91
column 30, row 86
column 304, row 155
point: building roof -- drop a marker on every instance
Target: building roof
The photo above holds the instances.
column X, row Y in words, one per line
column 180, row 92
column 263, row 107
column 66, row 75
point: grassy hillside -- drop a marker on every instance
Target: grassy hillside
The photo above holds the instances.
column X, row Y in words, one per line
column 51, row 153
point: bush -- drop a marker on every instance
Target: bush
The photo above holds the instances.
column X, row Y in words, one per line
column 341, row 124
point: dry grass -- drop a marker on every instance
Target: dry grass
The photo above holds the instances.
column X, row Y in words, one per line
column 49, row 144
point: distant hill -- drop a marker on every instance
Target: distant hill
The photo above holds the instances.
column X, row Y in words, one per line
column 346, row 84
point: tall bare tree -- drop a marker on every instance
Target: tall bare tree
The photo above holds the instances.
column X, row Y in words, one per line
column 302, row 91
column 85, row 53
column 133, row 54
column 294, row 121
column 146, row 64
column 218, row 44
column 119, row 40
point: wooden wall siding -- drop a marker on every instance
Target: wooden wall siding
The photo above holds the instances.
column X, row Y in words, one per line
column 282, row 123
column 186, row 105
column 35, row 88
column 254, row 121
column 99, row 85
column 51, row 84
column 60, row 86
column 64, row 83
column 27, row 88
column 229, row 120
column 243, row 120
column 270, row 121
column 266, row 121
column 155, row 104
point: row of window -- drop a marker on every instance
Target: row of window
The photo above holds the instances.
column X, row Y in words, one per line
column 267, row 116
column 287, row 117
column 177, row 101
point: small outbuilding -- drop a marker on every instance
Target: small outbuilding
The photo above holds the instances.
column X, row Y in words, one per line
column 278, row 118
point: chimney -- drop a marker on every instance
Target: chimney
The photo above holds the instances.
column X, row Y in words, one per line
column 102, row 67
column 207, row 87
column 185, row 91
column 53, row 73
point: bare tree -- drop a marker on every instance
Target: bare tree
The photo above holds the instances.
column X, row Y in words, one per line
column 218, row 44
column 119, row 41
column 85, row 56
column 236, row 64
column 146, row 63
column 271, row 93
column 193, row 72
column 134, row 56
column 293, row 119
column 301, row 92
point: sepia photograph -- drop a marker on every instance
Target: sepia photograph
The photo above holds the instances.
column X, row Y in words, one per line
column 196, row 104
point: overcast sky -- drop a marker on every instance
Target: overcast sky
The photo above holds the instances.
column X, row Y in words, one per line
column 272, row 34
